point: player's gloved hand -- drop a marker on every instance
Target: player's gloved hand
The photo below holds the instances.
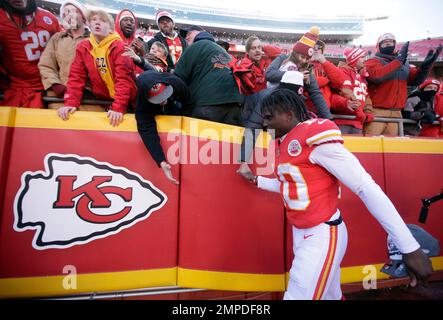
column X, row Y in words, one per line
column 402, row 55
column 418, row 266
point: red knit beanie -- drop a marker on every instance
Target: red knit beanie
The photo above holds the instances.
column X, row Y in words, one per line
column 353, row 55
column 306, row 43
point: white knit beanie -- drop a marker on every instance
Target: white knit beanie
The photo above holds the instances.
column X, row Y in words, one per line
column 76, row 4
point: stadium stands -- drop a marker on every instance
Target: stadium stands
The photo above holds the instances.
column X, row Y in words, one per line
column 344, row 28
column 337, row 33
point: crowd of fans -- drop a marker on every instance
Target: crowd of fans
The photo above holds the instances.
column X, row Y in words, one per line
column 186, row 72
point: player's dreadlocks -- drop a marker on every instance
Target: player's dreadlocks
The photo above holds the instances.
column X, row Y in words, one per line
column 30, row 7
column 285, row 100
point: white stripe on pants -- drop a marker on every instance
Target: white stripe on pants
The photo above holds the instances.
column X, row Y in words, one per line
column 315, row 271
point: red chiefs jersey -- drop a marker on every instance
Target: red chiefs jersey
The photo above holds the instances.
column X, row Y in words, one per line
column 21, row 46
column 357, row 84
column 175, row 48
column 309, row 191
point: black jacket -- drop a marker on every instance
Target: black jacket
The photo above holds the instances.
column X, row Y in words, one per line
column 159, row 37
column 145, row 111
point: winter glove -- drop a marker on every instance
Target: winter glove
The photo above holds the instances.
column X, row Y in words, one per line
column 403, row 53
column 58, row 89
column 431, row 57
column 428, row 117
column 369, row 117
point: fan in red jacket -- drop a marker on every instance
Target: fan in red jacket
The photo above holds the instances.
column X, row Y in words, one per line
column 25, row 30
column 249, row 72
column 389, row 76
column 329, row 77
column 355, row 74
column 100, row 59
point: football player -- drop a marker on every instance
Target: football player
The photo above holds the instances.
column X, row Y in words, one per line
column 310, row 162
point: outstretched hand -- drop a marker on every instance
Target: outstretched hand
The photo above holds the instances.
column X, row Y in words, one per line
column 418, row 266
column 129, row 52
column 166, row 167
column 246, row 173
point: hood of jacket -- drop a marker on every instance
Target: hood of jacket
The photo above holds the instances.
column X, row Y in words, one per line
column 204, row 36
column 118, row 29
column 388, row 57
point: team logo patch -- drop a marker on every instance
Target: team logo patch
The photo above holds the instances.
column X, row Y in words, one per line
column 156, row 87
column 310, row 52
column 47, row 20
column 77, row 200
column 294, row 148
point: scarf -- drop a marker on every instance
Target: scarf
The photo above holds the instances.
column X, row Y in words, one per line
column 100, row 53
column 388, row 57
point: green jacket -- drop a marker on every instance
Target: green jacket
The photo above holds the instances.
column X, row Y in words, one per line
column 204, row 68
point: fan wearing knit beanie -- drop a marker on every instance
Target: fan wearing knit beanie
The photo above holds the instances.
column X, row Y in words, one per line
column 69, row 10
column 172, row 40
column 303, row 49
column 55, row 61
column 355, row 79
column 125, row 25
column 328, row 76
column 299, row 60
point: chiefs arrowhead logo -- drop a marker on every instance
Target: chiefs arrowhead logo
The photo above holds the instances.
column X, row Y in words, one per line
column 77, row 200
